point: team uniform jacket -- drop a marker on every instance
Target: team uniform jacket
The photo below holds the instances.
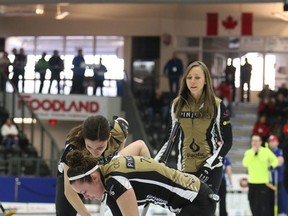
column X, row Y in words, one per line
column 153, row 182
column 202, row 140
column 119, row 132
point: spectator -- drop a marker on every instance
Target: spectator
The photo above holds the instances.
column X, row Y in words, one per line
column 258, row 159
column 273, row 143
column 281, row 109
column 285, row 155
column 99, row 77
column 56, row 66
column 4, row 70
column 266, row 107
column 41, row 67
column 266, row 92
column 157, row 105
column 78, row 73
column 262, row 128
column 19, row 64
column 227, row 176
column 284, row 90
column 230, row 78
column 174, row 70
column 9, row 133
column 245, row 76
column 223, row 91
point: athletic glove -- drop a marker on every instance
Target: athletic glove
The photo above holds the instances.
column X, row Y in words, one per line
column 204, row 172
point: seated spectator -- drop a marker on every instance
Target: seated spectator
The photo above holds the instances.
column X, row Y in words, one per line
column 284, row 90
column 157, row 105
column 266, row 107
column 9, row 133
column 266, row 92
column 281, row 109
column 262, row 128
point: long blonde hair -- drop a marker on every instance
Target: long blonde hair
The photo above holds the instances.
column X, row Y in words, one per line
column 208, row 95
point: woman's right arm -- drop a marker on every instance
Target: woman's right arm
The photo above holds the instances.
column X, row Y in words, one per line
column 138, row 148
column 73, row 197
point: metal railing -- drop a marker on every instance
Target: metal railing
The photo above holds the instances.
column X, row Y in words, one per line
column 129, row 106
column 45, row 144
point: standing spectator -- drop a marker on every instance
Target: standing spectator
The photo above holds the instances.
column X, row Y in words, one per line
column 4, row 70
column 273, row 143
column 245, row 76
column 262, row 128
column 19, row 64
column 9, row 133
column 174, row 70
column 56, row 66
column 230, row 78
column 223, row 91
column 258, row 159
column 285, row 172
column 227, row 176
column 157, row 105
column 41, row 67
column 78, row 73
column 99, row 77
column 206, row 132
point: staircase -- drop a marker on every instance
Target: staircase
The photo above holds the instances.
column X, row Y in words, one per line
column 243, row 118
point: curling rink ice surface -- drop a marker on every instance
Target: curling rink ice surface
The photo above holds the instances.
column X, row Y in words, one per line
column 237, row 205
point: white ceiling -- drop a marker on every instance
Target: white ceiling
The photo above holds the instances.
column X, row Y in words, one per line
column 122, row 11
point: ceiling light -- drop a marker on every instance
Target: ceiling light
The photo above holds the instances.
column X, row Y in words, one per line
column 39, row 9
column 61, row 15
column 281, row 16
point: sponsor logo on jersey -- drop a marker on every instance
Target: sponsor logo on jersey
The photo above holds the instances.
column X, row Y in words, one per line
column 130, row 163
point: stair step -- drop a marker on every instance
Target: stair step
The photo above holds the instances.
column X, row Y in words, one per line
column 243, row 119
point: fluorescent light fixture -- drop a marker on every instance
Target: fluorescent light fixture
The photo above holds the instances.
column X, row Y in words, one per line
column 39, row 9
column 281, row 16
column 25, row 120
column 61, row 15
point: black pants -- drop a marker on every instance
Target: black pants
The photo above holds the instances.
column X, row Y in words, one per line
column 63, row 207
column 201, row 205
column 222, row 195
column 42, row 79
column 259, row 200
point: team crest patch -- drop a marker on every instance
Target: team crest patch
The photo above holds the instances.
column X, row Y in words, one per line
column 130, row 163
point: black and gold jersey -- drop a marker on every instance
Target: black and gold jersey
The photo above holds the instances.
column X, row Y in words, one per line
column 119, row 132
column 152, row 182
column 202, row 138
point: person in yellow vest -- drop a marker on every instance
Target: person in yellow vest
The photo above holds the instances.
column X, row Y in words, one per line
column 259, row 160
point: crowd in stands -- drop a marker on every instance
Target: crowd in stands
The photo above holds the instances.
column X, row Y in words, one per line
column 272, row 114
column 14, row 145
column 56, row 65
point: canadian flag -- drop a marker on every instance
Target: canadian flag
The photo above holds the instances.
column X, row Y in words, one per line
column 229, row 25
